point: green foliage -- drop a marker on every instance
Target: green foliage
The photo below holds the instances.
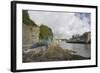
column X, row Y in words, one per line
column 45, row 33
column 26, row 18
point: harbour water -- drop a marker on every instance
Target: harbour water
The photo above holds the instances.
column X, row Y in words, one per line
column 80, row 49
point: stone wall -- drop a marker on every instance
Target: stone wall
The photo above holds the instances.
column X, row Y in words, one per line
column 35, row 34
column 30, row 34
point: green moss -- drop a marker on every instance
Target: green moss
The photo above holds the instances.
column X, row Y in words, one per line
column 26, row 18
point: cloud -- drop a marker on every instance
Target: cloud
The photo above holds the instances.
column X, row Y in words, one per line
column 86, row 17
column 63, row 24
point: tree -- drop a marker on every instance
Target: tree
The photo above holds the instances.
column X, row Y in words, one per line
column 45, row 33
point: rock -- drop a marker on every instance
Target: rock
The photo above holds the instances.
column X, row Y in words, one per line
column 55, row 52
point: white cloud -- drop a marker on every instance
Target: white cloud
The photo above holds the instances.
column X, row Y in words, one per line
column 64, row 25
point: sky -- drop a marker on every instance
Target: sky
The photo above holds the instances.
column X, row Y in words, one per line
column 63, row 24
